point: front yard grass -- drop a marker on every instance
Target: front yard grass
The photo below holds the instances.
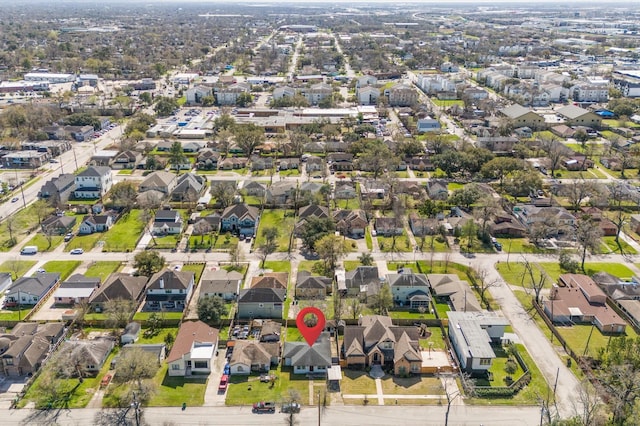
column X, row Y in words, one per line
column 173, row 391
column 24, row 221
column 577, row 337
column 63, row 267
column 196, row 268
column 350, row 265
column 278, row 266
column 124, row 235
column 17, row 268
column 275, row 219
column 402, row 243
column 290, row 172
column 519, row 245
column 414, row 385
column 85, row 242
column 43, row 244
column 102, row 269
column 358, row 383
column 609, row 245
column 246, row 390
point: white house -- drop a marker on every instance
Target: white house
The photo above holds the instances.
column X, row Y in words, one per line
column 94, row 182
column 193, row 350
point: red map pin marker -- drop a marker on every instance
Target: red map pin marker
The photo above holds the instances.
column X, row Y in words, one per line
column 310, row 334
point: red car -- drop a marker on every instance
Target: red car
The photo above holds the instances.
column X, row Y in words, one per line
column 224, row 382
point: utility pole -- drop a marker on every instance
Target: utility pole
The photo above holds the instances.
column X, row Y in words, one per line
column 318, row 408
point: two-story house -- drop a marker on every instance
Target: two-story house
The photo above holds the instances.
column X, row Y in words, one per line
column 261, row 303
column 94, row 182
column 240, row 219
column 169, row 290
column 24, row 349
column 58, row 189
column 161, row 181
column 410, row 289
column 167, row 222
column 126, row 160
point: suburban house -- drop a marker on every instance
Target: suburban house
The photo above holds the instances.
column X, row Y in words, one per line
column 76, row 289
column 126, row 160
column 314, row 164
column 253, row 188
column 96, row 223
column 312, row 287
column 221, row 283
column 280, row 193
column 529, row 214
column 23, row 350
column 351, row 222
column 253, row 356
column 428, row 124
column 421, row 226
column 193, row 350
column 161, row 181
column 578, row 299
column 118, row 286
column 345, row 191
column 30, row 290
column 261, row 303
column 472, row 334
column 373, row 189
column 376, row 341
column 130, row 333
column 89, row 355
column 457, row 293
column 605, row 224
column 207, row 224
column 504, row 224
column 233, row 163
column 437, row 190
column 169, row 290
column 410, row 289
column 240, row 219
column 307, row 212
column 58, row 225
column 207, row 159
column 340, row 161
column 58, row 189
column 167, row 222
column 359, row 279
column 189, row 187
column 93, row 182
column 388, row 226
column 305, row 359
column 271, row 280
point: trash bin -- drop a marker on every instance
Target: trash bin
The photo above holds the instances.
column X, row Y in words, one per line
column 568, row 362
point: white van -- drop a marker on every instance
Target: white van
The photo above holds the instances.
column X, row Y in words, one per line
column 29, row 250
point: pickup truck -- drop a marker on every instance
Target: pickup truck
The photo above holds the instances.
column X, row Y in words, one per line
column 264, row 407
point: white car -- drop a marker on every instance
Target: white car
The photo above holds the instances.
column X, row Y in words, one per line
column 76, row 251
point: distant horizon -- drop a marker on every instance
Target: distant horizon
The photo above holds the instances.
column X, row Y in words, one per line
column 391, row 3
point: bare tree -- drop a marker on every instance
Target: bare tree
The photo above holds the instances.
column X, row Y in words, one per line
column 452, row 392
column 12, row 226
column 588, row 236
column 136, row 366
column 577, row 191
column 555, row 152
column 588, row 405
column 223, row 193
column 483, row 283
column 235, row 255
column 118, row 312
column 537, row 278
column 355, row 308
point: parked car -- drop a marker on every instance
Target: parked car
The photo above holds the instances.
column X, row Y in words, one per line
column 68, row 237
column 227, row 369
column 14, row 199
column 224, row 382
column 264, row 407
column 292, row 407
column 76, row 251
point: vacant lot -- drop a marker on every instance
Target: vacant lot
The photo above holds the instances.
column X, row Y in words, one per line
column 275, row 219
column 124, row 235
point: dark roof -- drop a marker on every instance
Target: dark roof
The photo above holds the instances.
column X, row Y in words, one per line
column 94, row 171
column 301, row 354
column 306, row 280
column 80, row 281
column 190, row 332
column 36, row 285
column 177, row 280
column 241, row 211
column 119, row 286
column 362, row 275
column 262, row 295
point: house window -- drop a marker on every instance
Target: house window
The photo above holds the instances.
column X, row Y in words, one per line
column 201, row 364
column 175, row 366
column 91, row 367
column 240, row 369
column 168, row 291
column 485, row 361
column 8, row 361
column 260, row 305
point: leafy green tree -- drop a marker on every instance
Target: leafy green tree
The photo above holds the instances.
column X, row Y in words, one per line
column 176, row 156
column 465, row 196
column 165, row 106
column 366, row 259
column 330, row 248
column 249, row 137
column 314, row 229
column 211, row 309
column 224, row 122
column 145, row 97
column 244, row 99
column 377, row 158
column 148, row 262
column 123, row 195
column 499, row 167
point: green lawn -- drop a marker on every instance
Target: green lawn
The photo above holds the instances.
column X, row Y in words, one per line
column 275, row 218
column 17, row 268
column 252, row 200
column 513, row 272
column 414, row 385
column 348, row 204
column 80, row 393
column 124, row 235
column 447, row 103
column 102, row 269
column 577, row 337
column 436, row 340
column 306, row 265
column 357, row 382
column 225, row 241
column 63, row 267
column 246, row 390
column 292, row 172
column 173, row 391
column 402, row 243
column 368, row 239
column 125, row 172
column 441, row 267
column 293, row 335
column 196, row 268
column 165, row 242
column 25, row 220
column 13, row 314
column 143, row 316
column 404, row 314
column 43, row 244
column 609, row 246
column 278, row 265
column 452, row 186
column 350, row 265
column 85, row 242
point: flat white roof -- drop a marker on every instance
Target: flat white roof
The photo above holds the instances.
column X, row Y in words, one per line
column 74, row 292
column 203, row 351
